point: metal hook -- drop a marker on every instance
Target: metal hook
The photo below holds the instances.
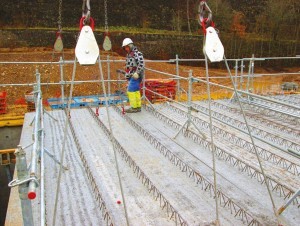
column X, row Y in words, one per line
column 202, row 8
column 86, row 11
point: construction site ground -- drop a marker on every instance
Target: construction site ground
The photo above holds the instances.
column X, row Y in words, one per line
column 165, row 179
column 24, row 73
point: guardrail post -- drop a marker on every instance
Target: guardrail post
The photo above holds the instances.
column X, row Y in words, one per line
column 242, row 74
column 61, row 66
column 108, row 76
column 21, row 165
column 36, row 137
column 236, row 67
column 178, row 93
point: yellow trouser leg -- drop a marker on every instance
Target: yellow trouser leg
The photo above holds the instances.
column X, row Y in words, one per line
column 132, row 99
column 138, row 99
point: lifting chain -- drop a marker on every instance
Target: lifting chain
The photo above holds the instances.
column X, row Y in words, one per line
column 58, row 45
column 106, row 17
column 59, row 16
column 107, row 42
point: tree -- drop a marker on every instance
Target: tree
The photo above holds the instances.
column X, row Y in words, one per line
column 222, row 18
column 238, row 27
column 250, row 8
column 279, row 13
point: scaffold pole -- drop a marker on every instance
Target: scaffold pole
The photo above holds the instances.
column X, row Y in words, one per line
column 22, row 172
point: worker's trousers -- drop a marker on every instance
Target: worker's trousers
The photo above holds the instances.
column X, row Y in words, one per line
column 134, row 99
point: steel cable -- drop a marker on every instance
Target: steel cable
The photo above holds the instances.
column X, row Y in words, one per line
column 252, row 139
column 64, row 141
column 213, row 148
column 111, row 137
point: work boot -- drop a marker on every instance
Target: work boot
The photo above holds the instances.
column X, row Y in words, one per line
column 139, row 109
column 131, row 110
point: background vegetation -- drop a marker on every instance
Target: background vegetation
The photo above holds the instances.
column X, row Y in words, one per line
column 265, row 27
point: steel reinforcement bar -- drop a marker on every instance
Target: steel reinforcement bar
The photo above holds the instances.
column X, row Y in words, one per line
column 206, row 185
column 222, row 154
column 283, row 98
column 105, row 213
column 294, row 97
column 287, row 109
column 263, row 153
column 267, row 111
column 164, row 203
column 271, row 124
column 259, row 132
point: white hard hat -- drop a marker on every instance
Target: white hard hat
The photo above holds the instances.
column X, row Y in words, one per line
column 126, row 42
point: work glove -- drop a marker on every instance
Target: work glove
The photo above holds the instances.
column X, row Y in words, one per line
column 135, row 75
column 128, row 75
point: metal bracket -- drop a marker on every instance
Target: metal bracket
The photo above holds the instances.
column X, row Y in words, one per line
column 17, row 182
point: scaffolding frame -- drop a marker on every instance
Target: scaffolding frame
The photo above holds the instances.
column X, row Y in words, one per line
column 29, row 180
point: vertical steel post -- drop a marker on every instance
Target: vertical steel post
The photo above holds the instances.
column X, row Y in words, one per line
column 252, row 75
column 38, row 80
column 21, row 165
column 178, row 81
column 188, row 121
column 249, row 73
column 42, row 178
column 242, row 74
column 61, row 65
column 190, row 93
column 236, row 73
column 36, row 144
column 144, row 85
column 108, row 76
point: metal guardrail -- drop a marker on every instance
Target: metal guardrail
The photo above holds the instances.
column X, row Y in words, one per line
column 33, row 182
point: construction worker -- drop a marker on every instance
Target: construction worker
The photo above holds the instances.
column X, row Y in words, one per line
column 134, row 69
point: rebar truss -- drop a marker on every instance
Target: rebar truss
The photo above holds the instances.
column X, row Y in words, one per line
column 271, row 124
column 172, row 213
column 97, row 193
column 290, row 100
column 253, row 172
column 254, row 130
column 273, row 112
column 263, row 153
column 283, row 108
column 206, row 185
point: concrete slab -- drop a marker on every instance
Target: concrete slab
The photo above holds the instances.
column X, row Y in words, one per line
column 132, row 164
